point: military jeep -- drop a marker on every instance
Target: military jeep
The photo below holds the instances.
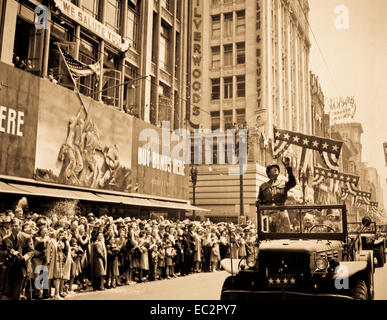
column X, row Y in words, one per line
column 313, row 259
column 371, row 239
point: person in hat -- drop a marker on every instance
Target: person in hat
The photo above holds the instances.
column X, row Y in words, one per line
column 275, row 192
column 5, row 228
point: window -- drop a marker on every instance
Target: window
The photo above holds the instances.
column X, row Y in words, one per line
column 131, row 91
column 88, row 54
column 227, row 55
column 241, row 24
column 215, row 87
column 177, row 56
column 215, row 120
column 228, row 24
column 228, row 88
column 216, row 26
column 215, row 3
column 241, row 86
column 227, row 116
column 132, row 27
column 241, row 56
column 91, row 7
column 215, row 57
column 112, row 18
column 164, row 50
column 226, row 2
column 241, row 116
column 166, row 4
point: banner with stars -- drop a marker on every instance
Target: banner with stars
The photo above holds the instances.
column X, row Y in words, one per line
column 329, row 149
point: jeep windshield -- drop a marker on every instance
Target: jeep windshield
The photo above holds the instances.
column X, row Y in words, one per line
column 357, row 227
column 311, row 222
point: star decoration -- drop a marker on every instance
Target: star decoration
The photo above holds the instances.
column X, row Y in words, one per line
column 271, row 281
column 292, row 281
column 315, row 144
column 329, row 174
column 306, row 141
column 335, row 175
column 325, row 145
column 277, row 134
column 286, row 136
column 335, row 148
column 278, row 280
column 285, row 281
column 296, row 138
column 348, row 178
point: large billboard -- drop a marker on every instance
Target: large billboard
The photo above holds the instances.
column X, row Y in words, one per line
column 19, row 100
column 86, row 145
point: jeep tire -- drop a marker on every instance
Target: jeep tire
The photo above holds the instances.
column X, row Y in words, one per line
column 380, row 256
column 359, row 291
column 227, row 285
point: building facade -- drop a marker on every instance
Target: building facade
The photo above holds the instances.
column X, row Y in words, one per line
column 99, row 142
column 138, row 42
column 252, row 58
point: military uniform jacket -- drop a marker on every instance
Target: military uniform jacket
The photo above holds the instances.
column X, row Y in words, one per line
column 276, row 192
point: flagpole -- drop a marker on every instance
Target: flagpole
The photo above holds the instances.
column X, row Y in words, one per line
column 72, row 78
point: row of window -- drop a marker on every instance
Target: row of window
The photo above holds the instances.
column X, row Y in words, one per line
column 228, row 87
column 113, row 16
column 228, row 55
column 228, row 24
column 227, row 118
column 217, row 3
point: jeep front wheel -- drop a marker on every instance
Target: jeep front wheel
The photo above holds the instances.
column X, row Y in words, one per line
column 380, row 256
column 360, row 291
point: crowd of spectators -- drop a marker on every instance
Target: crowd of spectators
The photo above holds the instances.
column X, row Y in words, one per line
column 82, row 253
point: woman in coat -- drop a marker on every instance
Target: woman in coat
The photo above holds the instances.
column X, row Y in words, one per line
column 98, row 261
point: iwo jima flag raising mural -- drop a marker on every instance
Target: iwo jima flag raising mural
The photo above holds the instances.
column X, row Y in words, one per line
column 328, row 148
column 79, row 146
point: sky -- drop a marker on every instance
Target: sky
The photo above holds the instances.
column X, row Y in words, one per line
column 352, row 61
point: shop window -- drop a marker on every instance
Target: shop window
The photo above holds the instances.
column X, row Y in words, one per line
column 216, row 26
column 215, row 120
column 227, row 116
column 241, row 23
column 131, row 90
column 227, row 55
column 164, row 49
column 215, row 57
column 165, row 103
column 241, row 116
column 227, row 87
column 166, row 4
column 241, row 53
column 113, row 15
column 241, row 86
column 91, row 7
column 132, row 27
column 28, row 44
column 227, row 25
column 88, row 54
column 111, row 88
column 215, row 87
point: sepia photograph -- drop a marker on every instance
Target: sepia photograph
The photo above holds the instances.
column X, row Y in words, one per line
column 184, row 156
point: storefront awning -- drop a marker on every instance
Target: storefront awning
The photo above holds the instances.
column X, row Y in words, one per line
column 6, row 188
column 38, row 190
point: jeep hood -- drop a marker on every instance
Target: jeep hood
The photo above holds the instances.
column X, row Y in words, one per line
column 309, row 246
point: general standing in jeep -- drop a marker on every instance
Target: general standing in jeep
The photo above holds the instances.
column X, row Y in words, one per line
column 275, row 192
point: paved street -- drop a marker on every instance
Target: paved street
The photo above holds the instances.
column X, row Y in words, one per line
column 201, row 286
column 204, row 286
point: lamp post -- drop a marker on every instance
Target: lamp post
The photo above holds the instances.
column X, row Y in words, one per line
column 194, row 176
column 240, row 126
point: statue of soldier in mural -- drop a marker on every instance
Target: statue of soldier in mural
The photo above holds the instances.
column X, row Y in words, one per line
column 86, row 162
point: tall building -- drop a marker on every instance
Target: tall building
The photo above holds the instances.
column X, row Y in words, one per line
column 249, row 64
column 102, row 146
column 139, row 42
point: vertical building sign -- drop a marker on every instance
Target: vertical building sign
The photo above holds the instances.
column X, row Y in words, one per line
column 385, row 151
column 196, row 61
column 258, row 29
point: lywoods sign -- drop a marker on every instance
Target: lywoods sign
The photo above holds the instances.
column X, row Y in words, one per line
column 196, row 75
column 87, row 21
column 341, row 110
